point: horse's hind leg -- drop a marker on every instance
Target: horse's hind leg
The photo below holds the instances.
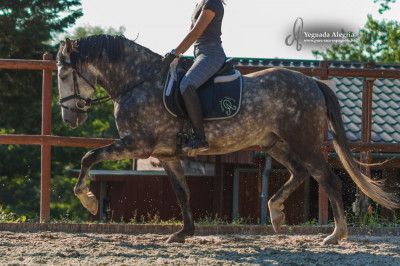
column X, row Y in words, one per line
column 332, row 185
column 174, row 170
column 282, row 154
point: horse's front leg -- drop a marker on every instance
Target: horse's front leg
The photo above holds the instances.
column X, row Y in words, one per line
column 174, row 170
column 122, row 149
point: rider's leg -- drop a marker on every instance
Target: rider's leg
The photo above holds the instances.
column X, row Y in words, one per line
column 209, row 59
column 193, row 108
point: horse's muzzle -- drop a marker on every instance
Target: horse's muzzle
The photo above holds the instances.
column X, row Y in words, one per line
column 73, row 119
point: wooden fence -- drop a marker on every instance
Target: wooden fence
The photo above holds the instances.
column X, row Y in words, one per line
column 46, row 140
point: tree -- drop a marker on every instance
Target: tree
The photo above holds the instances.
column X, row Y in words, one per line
column 87, row 30
column 378, row 41
column 384, row 5
column 26, row 26
column 20, row 166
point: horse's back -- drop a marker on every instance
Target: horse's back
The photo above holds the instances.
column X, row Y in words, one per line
column 284, row 87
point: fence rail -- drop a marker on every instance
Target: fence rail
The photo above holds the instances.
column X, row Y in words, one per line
column 100, row 142
column 46, row 140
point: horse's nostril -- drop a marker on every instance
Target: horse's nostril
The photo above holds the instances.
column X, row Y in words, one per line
column 69, row 123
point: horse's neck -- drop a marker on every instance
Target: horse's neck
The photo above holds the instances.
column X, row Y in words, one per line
column 139, row 64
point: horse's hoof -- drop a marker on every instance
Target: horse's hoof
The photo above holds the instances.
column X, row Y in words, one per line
column 89, row 201
column 174, row 238
column 92, row 203
column 330, row 240
column 277, row 220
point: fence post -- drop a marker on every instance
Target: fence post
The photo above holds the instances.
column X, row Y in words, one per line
column 366, row 135
column 322, row 197
column 45, row 148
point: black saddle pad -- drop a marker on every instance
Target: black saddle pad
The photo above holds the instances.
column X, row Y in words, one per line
column 220, row 99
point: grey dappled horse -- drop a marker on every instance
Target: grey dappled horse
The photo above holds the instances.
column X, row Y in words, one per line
column 282, row 111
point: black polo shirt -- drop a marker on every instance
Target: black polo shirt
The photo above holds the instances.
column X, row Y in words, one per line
column 213, row 32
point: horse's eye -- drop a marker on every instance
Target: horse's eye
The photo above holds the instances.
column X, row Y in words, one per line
column 63, row 77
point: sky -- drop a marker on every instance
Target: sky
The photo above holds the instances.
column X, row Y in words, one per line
column 251, row 28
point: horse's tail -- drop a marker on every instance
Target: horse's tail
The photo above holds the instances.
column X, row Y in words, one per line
column 370, row 187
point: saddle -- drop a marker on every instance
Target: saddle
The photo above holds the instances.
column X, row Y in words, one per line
column 220, row 96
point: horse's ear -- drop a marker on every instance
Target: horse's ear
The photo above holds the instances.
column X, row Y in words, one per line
column 67, row 47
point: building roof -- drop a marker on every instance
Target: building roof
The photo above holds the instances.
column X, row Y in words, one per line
column 386, row 98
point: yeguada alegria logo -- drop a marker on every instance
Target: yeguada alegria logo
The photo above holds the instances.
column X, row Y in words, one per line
column 323, row 35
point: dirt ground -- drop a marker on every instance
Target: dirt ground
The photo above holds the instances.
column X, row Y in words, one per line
column 124, row 249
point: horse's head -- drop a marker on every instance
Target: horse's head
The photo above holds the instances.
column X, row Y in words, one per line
column 76, row 84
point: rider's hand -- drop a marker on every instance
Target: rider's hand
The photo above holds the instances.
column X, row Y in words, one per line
column 169, row 58
column 172, row 68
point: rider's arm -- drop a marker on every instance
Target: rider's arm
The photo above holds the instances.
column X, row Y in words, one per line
column 203, row 21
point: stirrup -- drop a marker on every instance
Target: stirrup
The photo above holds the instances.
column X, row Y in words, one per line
column 196, row 143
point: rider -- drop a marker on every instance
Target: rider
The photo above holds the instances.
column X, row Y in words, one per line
column 205, row 34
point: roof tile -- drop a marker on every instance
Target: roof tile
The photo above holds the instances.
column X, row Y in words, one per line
column 384, row 97
column 396, row 137
column 396, row 82
column 394, row 97
column 378, row 120
column 355, row 89
column 393, row 105
column 379, row 111
column 397, row 127
column 351, row 136
column 347, row 111
column 357, row 111
column 342, row 88
column 355, row 119
column 381, row 104
column 346, row 119
column 396, row 90
column 346, row 81
column 387, row 128
column 340, row 95
column 390, row 120
column 392, row 112
column 375, row 97
column 376, row 128
column 388, row 82
column 349, row 103
column 386, row 137
column 378, row 82
column 357, row 81
column 384, row 89
column 376, row 137
column 353, row 97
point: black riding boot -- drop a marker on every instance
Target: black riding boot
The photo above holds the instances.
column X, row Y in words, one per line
column 193, row 106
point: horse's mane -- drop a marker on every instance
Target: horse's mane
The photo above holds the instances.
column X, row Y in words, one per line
column 92, row 48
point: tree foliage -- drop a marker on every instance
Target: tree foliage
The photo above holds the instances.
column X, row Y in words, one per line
column 27, row 27
column 378, row 40
column 384, row 5
column 87, row 30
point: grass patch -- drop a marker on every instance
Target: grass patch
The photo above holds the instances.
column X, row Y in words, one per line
column 7, row 216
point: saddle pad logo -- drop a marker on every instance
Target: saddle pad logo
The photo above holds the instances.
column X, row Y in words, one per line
column 228, row 105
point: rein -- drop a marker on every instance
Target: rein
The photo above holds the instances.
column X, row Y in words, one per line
column 82, row 102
